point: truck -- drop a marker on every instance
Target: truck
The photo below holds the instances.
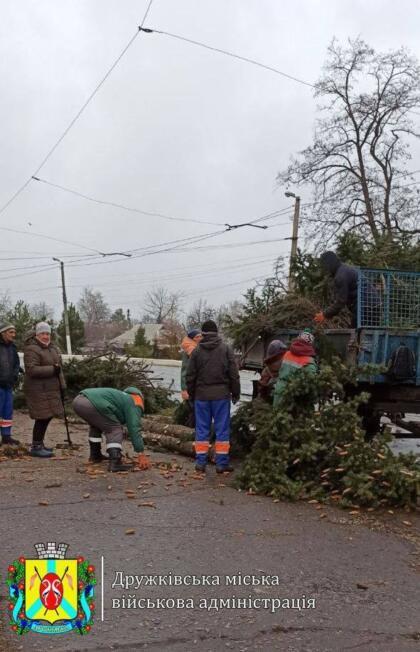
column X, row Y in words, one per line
column 388, row 319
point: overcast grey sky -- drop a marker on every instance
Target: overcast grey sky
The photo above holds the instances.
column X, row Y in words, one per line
column 175, row 129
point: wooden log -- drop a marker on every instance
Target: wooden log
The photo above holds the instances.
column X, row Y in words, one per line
column 169, row 443
column 161, row 418
column 173, row 430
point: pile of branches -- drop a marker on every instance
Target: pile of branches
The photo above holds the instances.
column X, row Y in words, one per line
column 285, row 311
column 117, row 372
column 299, row 452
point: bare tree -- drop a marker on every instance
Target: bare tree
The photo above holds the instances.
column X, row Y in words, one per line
column 356, row 165
column 42, row 312
column 161, row 304
column 201, row 311
column 5, row 305
column 232, row 309
column 92, row 307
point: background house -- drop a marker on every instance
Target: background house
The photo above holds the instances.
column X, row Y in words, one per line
column 154, row 334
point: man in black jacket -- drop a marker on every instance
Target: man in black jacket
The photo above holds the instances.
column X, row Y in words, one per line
column 345, row 287
column 212, row 382
column 9, row 372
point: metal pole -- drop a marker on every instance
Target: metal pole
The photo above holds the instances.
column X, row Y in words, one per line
column 293, row 251
column 65, row 312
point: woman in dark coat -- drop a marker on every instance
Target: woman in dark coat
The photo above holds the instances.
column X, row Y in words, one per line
column 44, row 382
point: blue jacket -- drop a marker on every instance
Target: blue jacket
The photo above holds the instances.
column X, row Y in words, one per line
column 9, row 364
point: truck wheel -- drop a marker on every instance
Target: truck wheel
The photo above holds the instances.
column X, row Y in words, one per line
column 371, row 424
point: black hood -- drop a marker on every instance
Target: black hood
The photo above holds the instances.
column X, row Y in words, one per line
column 210, row 341
column 330, row 262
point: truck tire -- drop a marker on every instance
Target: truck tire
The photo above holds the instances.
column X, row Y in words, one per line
column 371, row 423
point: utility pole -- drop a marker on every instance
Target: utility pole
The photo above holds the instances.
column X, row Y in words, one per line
column 294, row 238
column 65, row 312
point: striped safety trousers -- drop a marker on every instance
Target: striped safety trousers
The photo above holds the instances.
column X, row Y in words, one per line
column 219, row 413
column 6, row 411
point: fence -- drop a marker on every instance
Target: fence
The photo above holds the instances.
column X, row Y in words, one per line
column 388, row 299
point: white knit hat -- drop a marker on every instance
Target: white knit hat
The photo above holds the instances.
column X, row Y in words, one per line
column 307, row 337
column 42, row 327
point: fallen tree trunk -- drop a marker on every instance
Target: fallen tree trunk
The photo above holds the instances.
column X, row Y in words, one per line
column 157, row 427
column 168, row 443
column 161, row 418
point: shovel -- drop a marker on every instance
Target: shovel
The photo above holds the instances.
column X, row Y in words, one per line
column 69, row 443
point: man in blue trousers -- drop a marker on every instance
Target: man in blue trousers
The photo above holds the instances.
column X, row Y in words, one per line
column 9, row 373
column 212, row 383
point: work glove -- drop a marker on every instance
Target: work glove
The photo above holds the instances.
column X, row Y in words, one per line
column 143, row 462
column 184, row 395
column 57, row 370
column 319, row 317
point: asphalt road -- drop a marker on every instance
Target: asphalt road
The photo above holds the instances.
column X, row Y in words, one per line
column 362, row 571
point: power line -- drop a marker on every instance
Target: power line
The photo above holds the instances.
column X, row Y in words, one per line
column 37, row 271
column 131, row 209
column 227, row 53
column 43, row 257
column 13, row 269
column 179, row 245
column 237, row 244
column 183, row 275
column 152, row 250
column 31, row 290
column 43, row 254
column 180, row 277
column 134, row 276
column 80, row 111
column 145, row 251
column 221, row 287
column 122, row 206
column 48, row 237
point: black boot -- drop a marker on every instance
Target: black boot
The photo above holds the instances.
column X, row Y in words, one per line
column 224, row 469
column 38, row 450
column 115, row 463
column 7, row 440
column 95, row 453
column 200, row 468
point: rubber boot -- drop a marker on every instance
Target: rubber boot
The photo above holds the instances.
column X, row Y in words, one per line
column 115, row 463
column 96, row 456
column 38, row 450
column 7, row 440
column 224, row 469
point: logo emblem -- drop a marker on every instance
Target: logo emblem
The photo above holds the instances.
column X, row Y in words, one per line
column 51, row 594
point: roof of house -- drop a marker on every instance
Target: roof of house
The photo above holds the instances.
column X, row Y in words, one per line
column 151, row 332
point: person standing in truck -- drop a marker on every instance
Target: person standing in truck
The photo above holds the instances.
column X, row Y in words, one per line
column 345, row 288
